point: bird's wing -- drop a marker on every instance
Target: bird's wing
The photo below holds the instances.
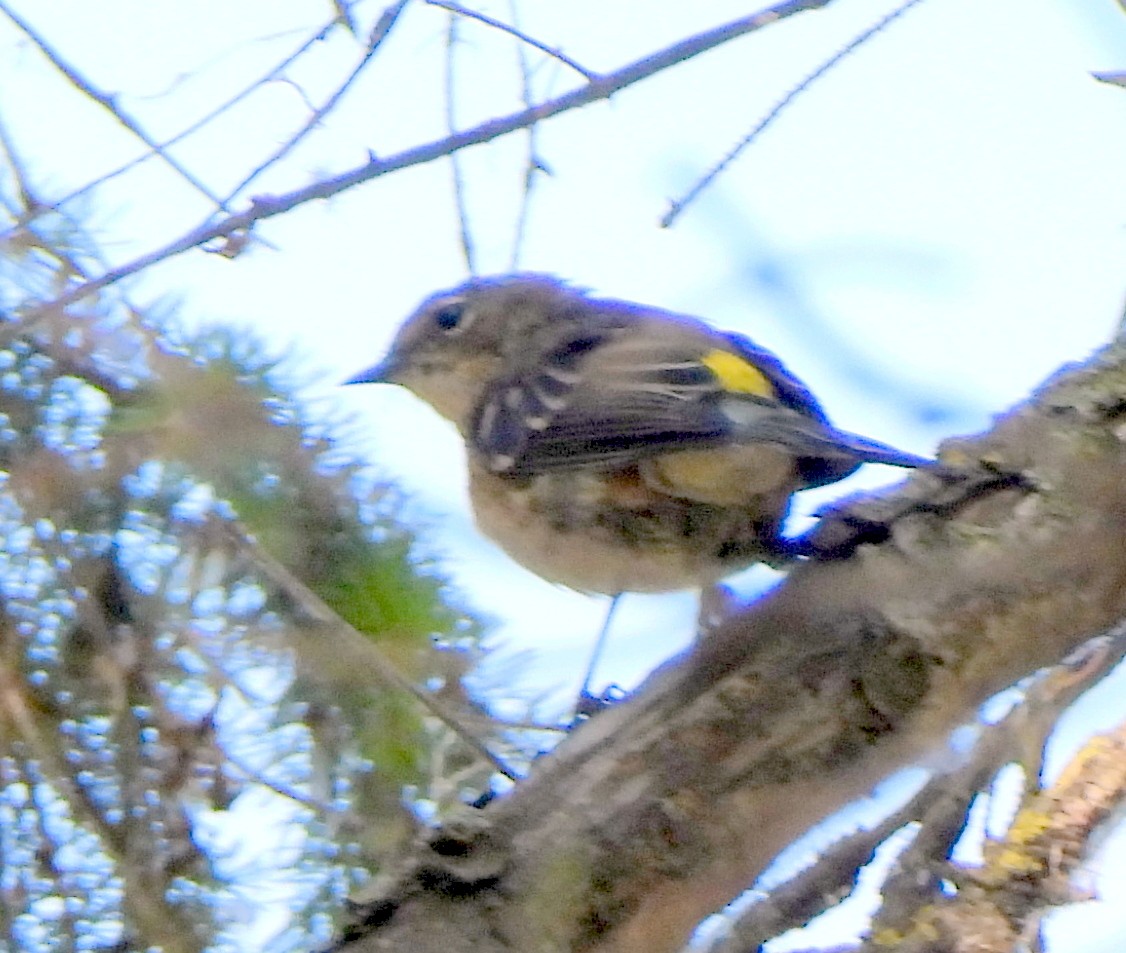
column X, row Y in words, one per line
column 610, row 397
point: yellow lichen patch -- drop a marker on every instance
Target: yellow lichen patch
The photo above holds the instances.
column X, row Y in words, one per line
column 886, row 936
column 1012, row 861
column 1028, row 825
column 1076, row 768
column 923, row 927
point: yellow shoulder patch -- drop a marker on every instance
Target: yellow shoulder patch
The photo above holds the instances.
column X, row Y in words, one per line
column 736, row 374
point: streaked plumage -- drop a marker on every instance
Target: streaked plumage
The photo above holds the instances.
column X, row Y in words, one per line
column 615, row 447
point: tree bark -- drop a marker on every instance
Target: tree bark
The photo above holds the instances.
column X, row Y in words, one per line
column 923, row 602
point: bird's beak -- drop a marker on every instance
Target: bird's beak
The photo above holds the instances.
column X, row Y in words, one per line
column 382, row 373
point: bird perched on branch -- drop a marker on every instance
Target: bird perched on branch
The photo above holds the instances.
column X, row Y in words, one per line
column 615, row 447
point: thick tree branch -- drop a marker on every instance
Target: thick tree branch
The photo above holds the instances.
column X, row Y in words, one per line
column 661, row 810
column 941, row 806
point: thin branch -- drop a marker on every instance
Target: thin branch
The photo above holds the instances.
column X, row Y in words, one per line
column 210, row 117
column 678, row 206
column 533, row 165
column 263, row 207
column 514, row 31
column 1063, row 684
column 24, row 230
column 379, row 666
column 320, row 808
column 32, row 205
column 107, row 101
column 19, row 173
column 344, row 16
column 465, row 233
column 1111, row 77
column 378, row 34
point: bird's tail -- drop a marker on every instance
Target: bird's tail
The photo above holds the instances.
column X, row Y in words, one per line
column 808, row 437
column 872, row 451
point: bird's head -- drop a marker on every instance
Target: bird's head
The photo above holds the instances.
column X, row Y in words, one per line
column 457, row 341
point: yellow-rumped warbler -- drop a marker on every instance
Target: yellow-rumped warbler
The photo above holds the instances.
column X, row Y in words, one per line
column 615, row 447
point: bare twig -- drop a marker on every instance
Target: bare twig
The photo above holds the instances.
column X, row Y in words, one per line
column 378, row 34
column 264, row 207
column 551, row 51
column 1062, row 685
column 375, row 661
column 465, row 233
column 29, row 207
column 534, row 165
column 211, row 116
column 27, row 202
column 678, row 206
column 24, row 231
column 344, row 16
column 1112, row 77
column 321, row 808
column 107, row 101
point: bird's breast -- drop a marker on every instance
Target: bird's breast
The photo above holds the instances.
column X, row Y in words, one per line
column 664, row 525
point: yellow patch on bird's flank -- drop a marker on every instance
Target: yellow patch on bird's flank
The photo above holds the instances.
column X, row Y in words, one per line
column 736, row 374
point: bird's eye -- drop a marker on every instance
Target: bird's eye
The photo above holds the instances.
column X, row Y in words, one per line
column 449, row 316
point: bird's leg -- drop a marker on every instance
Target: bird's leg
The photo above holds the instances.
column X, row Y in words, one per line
column 783, row 552
column 588, row 704
column 718, row 603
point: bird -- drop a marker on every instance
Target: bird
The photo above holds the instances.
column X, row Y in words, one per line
column 617, row 447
